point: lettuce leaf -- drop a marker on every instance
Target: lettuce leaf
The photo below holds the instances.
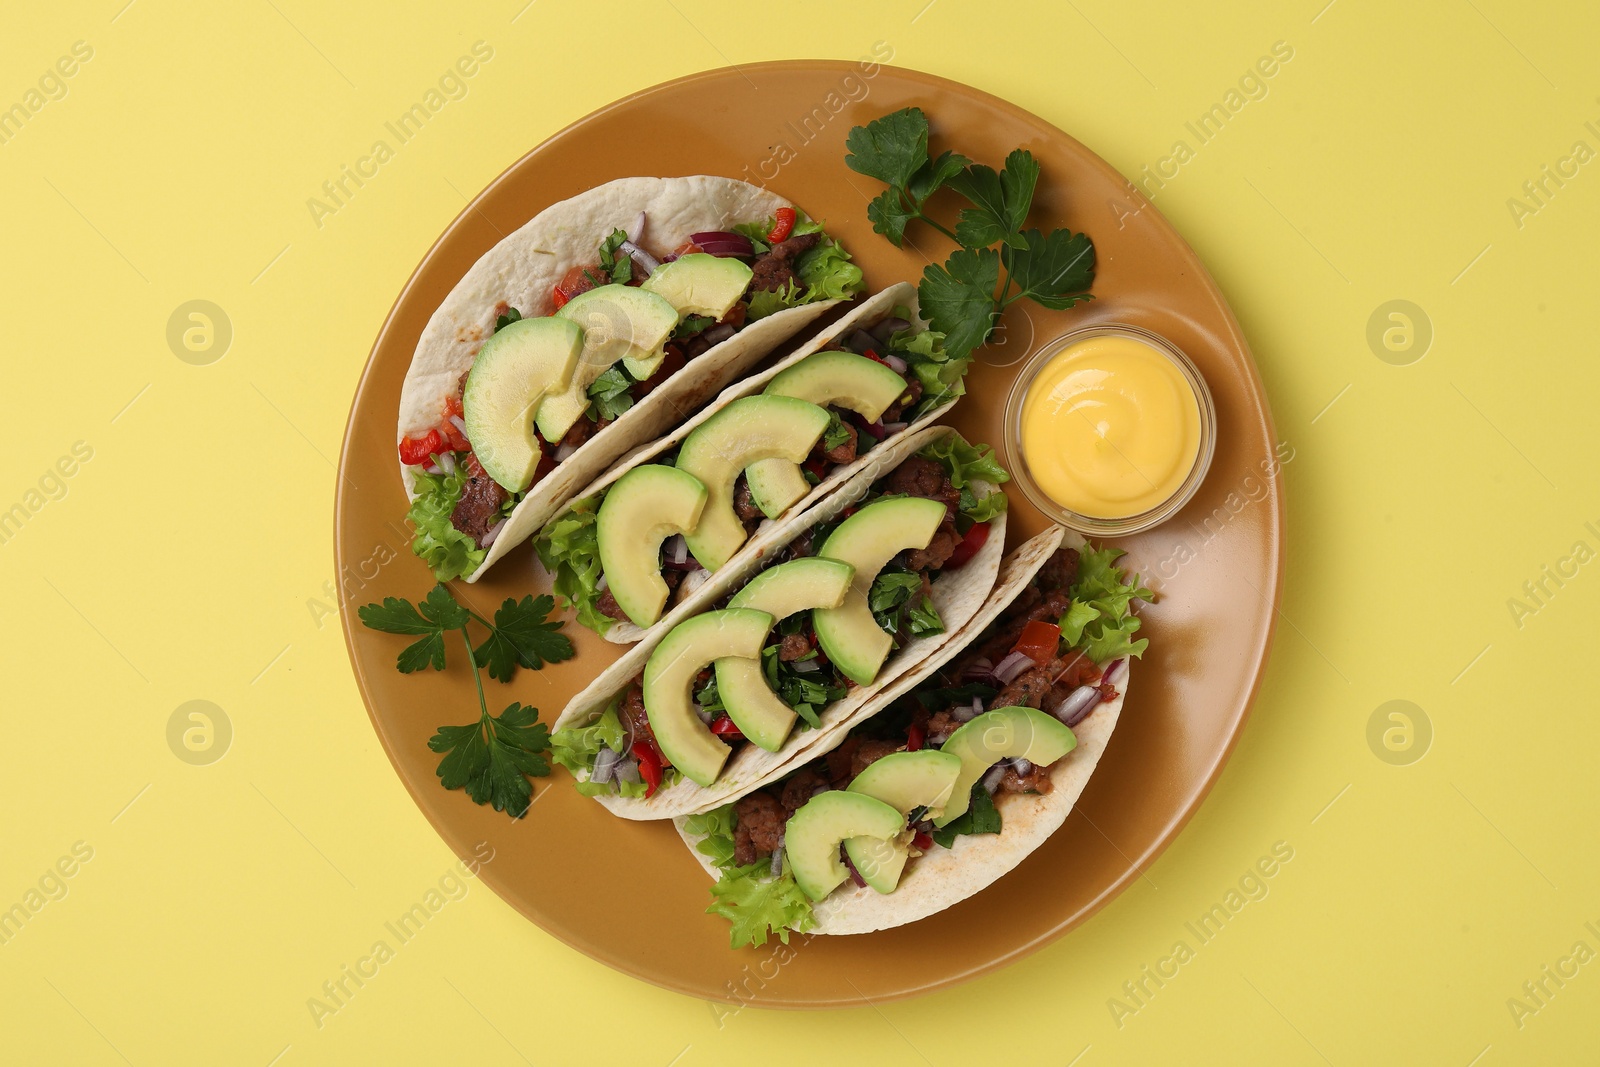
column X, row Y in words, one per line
column 758, row 904
column 942, row 377
column 717, row 826
column 764, row 302
column 966, row 463
column 1100, row 619
column 569, row 548
column 445, row 549
column 575, row 747
column 828, row 273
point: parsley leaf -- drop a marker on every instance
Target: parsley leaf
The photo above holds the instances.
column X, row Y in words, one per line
column 493, row 757
column 717, row 828
column 691, row 325
column 958, row 298
column 617, row 269
column 502, row 321
column 439, row 613
column 1054, row 269
column 894, row 149
column 520, row 637
column 758, row 904
column 981, row 817
column 610, row 393
column 1000, row 200
column 837, row 433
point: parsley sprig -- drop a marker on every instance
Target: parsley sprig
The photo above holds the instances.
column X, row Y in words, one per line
column 492, row 758
column 964, row 297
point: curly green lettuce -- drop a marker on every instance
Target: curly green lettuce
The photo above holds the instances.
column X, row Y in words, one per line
column 757, row 904
column 569, row 548
column 1100, row 619
column 943, row 376
column 966, row 465
column 825, row 270
column 575, row 748
column 445, row 549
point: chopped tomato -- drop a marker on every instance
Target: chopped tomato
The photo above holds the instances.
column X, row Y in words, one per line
column 452, row 405
column 415, row 451
column 649, row 765
column 870, row 354
column 1038, row 641
column 923, row 840
column 558, row 297
column 686, row 249
column 724, row 727
column 735, row 317
column 576, row 280
column 817, row 467
column 452, row 434
column 784, row 225
column 915, row 736
column 975, row 539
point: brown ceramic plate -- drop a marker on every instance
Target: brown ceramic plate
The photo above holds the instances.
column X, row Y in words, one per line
column 627, row 893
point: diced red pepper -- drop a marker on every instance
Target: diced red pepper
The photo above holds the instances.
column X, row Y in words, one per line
column 923, row 840
column 1038, row 641
column 649, row 765
column 724, row 727
column 783, row 226
column 558, row 296
column 915, row 736
column 870, row 354
column 415, row 451
column 975, row 539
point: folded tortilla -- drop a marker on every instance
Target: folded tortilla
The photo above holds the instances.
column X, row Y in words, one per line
column 874, row 309
column 945, row 876
column 523, row 269
column 957, row 595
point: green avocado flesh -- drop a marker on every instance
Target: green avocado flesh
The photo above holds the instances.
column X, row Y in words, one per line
column 749, row 429
column 868, row 540
column 700, row 284
column 669, row 676
column 779, row 591
column 813, row 835
column 513, row 372
column 844, row 379
column 904, row 781
column 1004, row 733
column 776, row 485
column 646, row 506
column 618, row 322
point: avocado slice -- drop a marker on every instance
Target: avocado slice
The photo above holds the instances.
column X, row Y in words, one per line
column 904, row 781
column 669, row 676
column 646, row 506
column 700, row 283
column 618, row 322
column 845, row 379
column 813, row 835
column 1004, row 733
column 749, row 429
column 776, row 485
column 513, row 372
column 867, row 540
column 779, row 591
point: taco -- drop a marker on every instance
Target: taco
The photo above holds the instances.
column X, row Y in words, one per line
column 949, row 777
column 680, row 521
column 852, row 593
column 596, row 326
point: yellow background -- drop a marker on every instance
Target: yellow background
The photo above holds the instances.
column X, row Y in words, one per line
column 180, row 561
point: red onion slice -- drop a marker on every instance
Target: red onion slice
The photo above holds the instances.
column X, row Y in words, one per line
column 991, row 781
column 777, row 860
column 1011, row 666
column 719, row 333
column 860, row 341
column 1021, row 765
column 636, row 231
column 888, row 328
column 1078, row 704
column 564, row 452
column 892, row 428
column 806, row 666
column 492, row 532
column 640, row 256
column 447, row 463
column 855, row 875
column 602, row 585
column 723, row 243
column 895, row 363
column 604, row 764
column 677, row 549
column 627, row 771
column 874, row 430
column 1111, row 670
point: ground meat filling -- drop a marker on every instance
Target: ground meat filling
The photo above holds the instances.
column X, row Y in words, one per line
column 774, row 269
column 607, row 604
column 794, row 646
column 633, row 715
column 939, row 549
column 844, row 452
column 479, row 506
column 1036, row 780
column 745, row 506
column 895, row 412
column 758, row 826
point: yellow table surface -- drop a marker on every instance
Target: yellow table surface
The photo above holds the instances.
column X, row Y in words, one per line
column 1436, row 910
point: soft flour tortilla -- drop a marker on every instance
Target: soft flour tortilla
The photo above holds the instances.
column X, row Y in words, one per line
column 945, row 876
column 875, row 309
column 522, row 270
column 957, row 596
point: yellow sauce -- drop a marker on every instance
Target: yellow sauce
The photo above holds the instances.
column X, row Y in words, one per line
column 1110, row 427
